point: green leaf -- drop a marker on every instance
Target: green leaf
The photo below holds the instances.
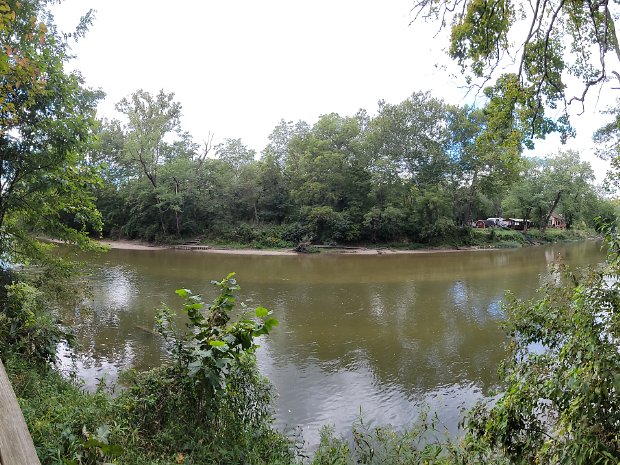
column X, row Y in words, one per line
column 92, row 442
column 183, row 293
column 262, row 312
column 103, row 432
column 271, row 323
column 196, row 306
column 112, row 450
column 222, row 362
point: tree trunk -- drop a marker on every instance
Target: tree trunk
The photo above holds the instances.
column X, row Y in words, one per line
column 470, row 200
column 525, row 220
column 163, row 224
column 555, row 204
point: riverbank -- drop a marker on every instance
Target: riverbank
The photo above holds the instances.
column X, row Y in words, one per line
column 484, row 239
column 138, row 245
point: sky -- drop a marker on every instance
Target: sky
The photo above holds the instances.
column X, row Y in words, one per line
column 240, row 66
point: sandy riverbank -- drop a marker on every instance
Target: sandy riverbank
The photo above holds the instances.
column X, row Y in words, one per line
column 131, row 245
column 137, row 245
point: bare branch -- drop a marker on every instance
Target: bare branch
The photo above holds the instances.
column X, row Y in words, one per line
column 208, row 146
column 602, row 48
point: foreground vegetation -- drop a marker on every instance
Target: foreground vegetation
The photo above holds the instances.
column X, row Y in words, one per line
column 209, row 406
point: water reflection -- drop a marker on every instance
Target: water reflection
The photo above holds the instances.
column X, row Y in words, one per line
column 380, row 333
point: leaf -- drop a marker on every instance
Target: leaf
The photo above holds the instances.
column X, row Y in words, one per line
column 222, row 362
column 217, row 343
column 91, row 443
column 112, row 450
column 103, row 432
column 271, row 323
column 183, row 293
column 262, row 312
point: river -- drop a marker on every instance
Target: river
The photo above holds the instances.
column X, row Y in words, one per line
column 381, row 335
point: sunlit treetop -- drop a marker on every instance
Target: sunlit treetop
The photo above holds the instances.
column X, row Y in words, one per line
column 533, row 58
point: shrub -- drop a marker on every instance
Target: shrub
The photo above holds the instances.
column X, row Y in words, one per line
column 560, row 404
column 67, row 425
column 421, row 443
column 210, row 406
column 211, row 402
column 27, row 327
column 325, row 225
column 384, row 225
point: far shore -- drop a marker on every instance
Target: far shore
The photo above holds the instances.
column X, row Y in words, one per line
column 139, row 245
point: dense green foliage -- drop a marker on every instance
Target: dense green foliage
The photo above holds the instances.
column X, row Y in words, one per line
column 46, row 125
column 212, row 343
column 560, row 184
column 418, row 172
column 536, row 57
column 210, row 405
column 27, row 327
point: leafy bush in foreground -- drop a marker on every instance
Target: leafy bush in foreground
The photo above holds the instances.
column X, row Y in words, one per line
column 561, row 402
column 210, row 406
column 26, row 325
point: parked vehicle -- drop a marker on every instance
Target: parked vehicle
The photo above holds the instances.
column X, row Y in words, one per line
column 501, row 222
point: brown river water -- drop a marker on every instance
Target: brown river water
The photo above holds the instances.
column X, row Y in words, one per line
column 381, row 335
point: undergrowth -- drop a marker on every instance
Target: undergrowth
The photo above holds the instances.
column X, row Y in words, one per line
column 210, row 406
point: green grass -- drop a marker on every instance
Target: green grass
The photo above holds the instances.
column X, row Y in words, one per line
column 497, row 238
column 507, row 238
column 561, row 235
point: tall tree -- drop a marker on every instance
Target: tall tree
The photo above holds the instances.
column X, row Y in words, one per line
column 479, row 169
column 527, row 193
column 328, row 177
column 235, row 153
column 568, row 183
column 47, row 118
column 149, row 121
column 559, row 183
column 281, row 136
column 409, row 138
column 152, row 136
column 274, row 201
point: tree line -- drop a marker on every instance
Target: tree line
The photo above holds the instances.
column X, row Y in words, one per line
column 418, row 171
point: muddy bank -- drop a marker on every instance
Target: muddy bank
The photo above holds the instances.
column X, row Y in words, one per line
column 137, row 245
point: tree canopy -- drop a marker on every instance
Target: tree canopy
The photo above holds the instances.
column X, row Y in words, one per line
column 417, row 171
column 532, row 58
column 47, row 118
